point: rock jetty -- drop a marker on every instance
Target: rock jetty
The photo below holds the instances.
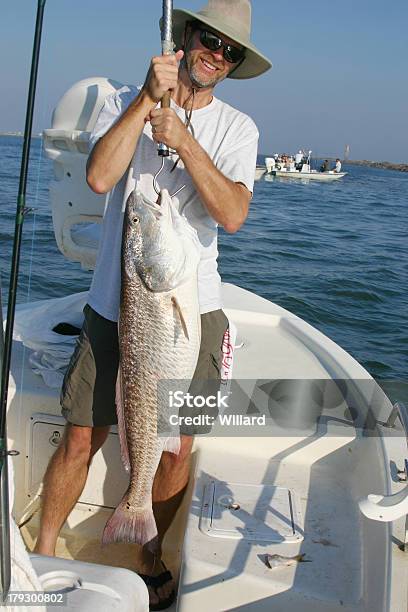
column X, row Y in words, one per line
column 374, row 164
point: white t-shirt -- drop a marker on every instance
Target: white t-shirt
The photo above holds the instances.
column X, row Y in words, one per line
column 228, row 136
column 338, row 166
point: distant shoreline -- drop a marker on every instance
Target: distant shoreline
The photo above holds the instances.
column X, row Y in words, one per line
column 385, row 165
column 382, row 164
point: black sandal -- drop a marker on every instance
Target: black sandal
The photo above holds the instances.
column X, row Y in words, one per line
column 156, row 582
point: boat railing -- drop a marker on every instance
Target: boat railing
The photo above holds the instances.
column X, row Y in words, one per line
column 388, row 508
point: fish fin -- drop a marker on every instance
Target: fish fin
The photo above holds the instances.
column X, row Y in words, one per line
column 172, row 444
column 124, row 451
column 137, row 526
column 177, row 307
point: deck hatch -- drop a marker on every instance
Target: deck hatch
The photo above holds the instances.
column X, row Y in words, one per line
column 263, row 513
column 107, row 479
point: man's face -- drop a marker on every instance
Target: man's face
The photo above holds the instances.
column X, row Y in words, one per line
column 206, row 68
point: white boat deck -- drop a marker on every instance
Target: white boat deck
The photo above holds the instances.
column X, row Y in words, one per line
column 332, row 543
column 353, row 563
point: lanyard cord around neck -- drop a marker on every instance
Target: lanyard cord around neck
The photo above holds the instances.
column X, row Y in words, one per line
column 187, row 123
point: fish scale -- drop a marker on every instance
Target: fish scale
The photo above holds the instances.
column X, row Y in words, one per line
column 153, row 347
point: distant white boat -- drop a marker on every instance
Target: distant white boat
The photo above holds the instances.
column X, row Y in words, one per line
column 309, row 174
column 287, row 168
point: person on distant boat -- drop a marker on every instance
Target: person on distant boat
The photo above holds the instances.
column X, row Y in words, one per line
column 270, row 164
column 215, row 149
column 325, row 166
column 337, row 167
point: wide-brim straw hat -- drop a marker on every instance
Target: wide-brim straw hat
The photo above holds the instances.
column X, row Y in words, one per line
column 233, row 19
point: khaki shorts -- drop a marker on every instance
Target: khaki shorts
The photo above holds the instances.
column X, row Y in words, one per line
column 88, row 390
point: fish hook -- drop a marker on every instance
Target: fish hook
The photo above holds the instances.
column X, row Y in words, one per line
column 155, row 183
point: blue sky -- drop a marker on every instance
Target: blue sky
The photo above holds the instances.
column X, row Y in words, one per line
column 339, row 74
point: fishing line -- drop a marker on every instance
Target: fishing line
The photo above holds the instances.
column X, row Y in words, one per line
column 187, row 121
column 33, row 235
column 34, row 211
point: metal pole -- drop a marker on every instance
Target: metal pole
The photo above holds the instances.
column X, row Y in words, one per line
column 167, row 49
column 5, row 567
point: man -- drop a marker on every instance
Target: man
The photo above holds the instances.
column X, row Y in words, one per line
column 215, row 156
column 337, row 167
column 325, row 167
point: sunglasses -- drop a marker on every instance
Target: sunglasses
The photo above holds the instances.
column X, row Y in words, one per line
column 211, row 41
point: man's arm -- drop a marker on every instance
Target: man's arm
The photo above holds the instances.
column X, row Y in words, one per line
column 113, row 153
column 226, row 201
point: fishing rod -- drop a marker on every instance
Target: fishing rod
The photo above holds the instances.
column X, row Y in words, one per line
column 167, row 49
column 21, row 211
column 166, row 26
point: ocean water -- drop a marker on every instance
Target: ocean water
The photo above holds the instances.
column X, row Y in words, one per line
column 335, row 254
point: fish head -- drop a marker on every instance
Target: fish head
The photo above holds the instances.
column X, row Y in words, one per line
column 151, row 248
column 132, row 236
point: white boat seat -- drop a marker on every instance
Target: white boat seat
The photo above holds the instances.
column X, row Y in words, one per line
column 75, row 207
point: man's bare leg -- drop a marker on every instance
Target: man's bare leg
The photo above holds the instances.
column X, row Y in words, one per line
column 65, row 479
column 168, row 491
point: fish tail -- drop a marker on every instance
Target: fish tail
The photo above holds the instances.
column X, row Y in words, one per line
column 124, row 451
column 136, row 525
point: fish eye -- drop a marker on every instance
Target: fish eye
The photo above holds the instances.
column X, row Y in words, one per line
column 135, row 220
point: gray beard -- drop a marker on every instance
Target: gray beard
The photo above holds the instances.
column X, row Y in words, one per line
column 195, row 79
